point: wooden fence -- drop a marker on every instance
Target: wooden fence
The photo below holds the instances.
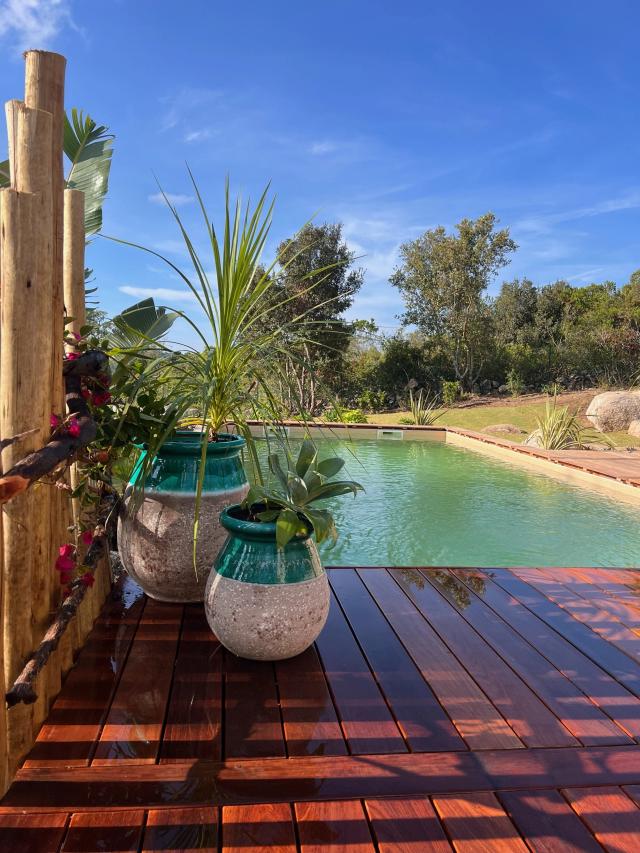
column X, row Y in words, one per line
column 41, row 272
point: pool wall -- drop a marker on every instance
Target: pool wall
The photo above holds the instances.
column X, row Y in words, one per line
column 602, row 475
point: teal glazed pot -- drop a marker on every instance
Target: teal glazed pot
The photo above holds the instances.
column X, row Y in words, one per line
column 263, row 603
column 155, row 538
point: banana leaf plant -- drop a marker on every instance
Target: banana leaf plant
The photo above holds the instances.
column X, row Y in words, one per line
column 289, row 496
column 89, row 147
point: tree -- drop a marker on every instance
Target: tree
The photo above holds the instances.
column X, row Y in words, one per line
column 443, row 279
column 515, row 312
column 315, row 282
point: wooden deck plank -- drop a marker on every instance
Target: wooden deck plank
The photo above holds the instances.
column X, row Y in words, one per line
column 186, row 829
column 252, row 723
column 627, row 612
column 75, row 721
column 134, row 724
column 547, row 823
column 531, row 720
column 366, row 720
column 90, row 832
column 406, row 826
column 421, row 718
column 611, row 816
column 337, row 826
column 260, row 828
column 601, row 689
column 32, row 833
column 194, row 720
column 611, row 659
column 588, row 612
column 475, row 717
column 238, row 781
column 311, row 725
column 477, row 823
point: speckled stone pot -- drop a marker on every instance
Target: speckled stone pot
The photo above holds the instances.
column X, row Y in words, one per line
column 155, row 537
column 262, row 603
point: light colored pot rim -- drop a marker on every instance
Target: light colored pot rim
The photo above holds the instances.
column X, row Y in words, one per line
column 189, row 443
column 254, row 530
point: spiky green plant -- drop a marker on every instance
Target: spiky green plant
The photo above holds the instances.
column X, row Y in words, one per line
column 560, row 429
column 424, row 408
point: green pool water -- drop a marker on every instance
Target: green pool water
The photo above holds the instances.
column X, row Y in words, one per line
column 429, row 503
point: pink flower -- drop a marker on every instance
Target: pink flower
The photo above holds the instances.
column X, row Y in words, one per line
column 72, row 356
column 87, row 537
column 104, row 379
column 73, row 428
column 54, row 421
column 86, row 393
column 65, row 577
column 67, row 550
column 77, row 336
column 88, row 579
column 101, row 398
column 65, row 564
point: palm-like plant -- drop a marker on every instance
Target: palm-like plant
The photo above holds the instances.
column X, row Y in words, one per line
column 424, row 408
column 560, row 429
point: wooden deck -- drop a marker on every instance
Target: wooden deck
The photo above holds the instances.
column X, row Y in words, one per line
column 493, row 710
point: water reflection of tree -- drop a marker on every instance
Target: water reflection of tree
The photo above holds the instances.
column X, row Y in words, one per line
column 451, row 586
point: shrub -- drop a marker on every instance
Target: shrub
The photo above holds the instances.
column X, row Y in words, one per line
column 346, row 416
column 515, row 383
column 450, row 392
column 424, row 408
column 372, row 401
column 406, row 420
column 560, row 429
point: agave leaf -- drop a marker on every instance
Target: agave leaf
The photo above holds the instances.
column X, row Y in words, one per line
column 89, row 147
column 276, row 468
column 330, row 467
column 297, row 489
column 334, row 490
column 313, row 480
column 323, row 524
column 288, row 525
column 5, row 174
column 269, row 515
column 305, row 457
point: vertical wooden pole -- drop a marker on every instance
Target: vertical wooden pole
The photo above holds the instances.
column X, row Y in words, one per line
column 44, row 90
column 21, row 371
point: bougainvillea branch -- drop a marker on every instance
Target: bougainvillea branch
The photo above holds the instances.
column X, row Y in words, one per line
column 66, row 443
column 23, row 689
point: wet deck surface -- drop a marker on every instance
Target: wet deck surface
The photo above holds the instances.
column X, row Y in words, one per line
column 494, row 710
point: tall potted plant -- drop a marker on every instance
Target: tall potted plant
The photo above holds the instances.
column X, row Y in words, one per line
column 268, row 596
column 169, row 533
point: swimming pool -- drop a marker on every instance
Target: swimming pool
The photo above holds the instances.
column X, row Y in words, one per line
column 431, row 503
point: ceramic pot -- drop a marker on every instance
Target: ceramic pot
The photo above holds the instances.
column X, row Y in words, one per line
column 263, row 603
column 155, row 537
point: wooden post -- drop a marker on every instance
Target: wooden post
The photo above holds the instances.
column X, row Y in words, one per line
column 21, row 371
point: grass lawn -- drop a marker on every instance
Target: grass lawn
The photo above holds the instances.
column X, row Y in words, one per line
column 521, row 412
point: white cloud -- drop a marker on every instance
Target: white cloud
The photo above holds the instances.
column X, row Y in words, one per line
column 184, row 102
column 174, row 247
column 198, row 135
column 162, row 293
column 33, row 23
column 325, row 147
column 176, row 199
column 543, row 224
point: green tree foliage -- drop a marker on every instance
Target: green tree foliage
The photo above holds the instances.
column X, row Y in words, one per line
column 443, row 279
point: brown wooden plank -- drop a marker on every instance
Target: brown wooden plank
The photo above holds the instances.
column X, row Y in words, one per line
column 583, row 719
column 337, row 826
column 311, row 725
column 75, row 721
column 601, row 689
column 547, row 823
column 264, row 827
column 588, row 612
column 183, row 829
column 420, row 716
column 477, row 823
column 252, row 724
column 583, row 586
column 134, row 725
column 240, row 781
column 611, row 816
column 477, row 720
column 194, row 719
column 366, row 720
column 532, row 721
column 90, row 832
column 608, row 657
column 32, row 833
column 406, row 826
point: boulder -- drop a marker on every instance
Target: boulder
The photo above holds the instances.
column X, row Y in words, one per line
column 614, row 410
column 510, row 429
column 634, row 428
column 504, row 389
column 533, row 440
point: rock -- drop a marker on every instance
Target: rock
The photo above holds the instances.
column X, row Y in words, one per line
column 634, row 428
column 495, row 384
column 486, row 385
column 504, row 389
column 614, row 410
column 510, row 429
column 533, row 440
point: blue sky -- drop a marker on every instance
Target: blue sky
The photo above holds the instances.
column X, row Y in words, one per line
column 391, row 118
